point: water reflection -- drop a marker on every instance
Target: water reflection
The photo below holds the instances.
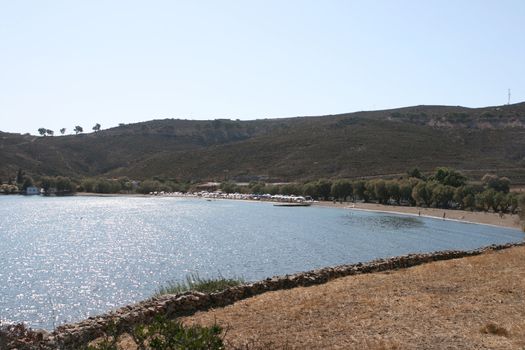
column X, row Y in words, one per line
column 385, row 221
column 56, row 267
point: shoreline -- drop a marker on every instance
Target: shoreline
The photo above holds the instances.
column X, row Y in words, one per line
column 148, row 307
column 470, row 217
column 92, row 194
column 77, row 334
column 474, row 302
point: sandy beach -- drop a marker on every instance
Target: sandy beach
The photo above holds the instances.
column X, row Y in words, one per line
column 511, row 221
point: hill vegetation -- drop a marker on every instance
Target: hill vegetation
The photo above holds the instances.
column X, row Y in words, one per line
column 362, row 144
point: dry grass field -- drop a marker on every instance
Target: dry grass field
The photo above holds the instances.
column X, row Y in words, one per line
column 470, row 303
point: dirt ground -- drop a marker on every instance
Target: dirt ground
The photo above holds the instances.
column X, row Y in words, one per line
column 470, row 303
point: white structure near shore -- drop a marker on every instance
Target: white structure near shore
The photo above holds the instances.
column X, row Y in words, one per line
column 32, row 190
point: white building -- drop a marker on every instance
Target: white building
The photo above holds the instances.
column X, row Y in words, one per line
column 32, row 190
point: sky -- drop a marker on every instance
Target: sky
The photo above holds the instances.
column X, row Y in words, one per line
column 72, row 62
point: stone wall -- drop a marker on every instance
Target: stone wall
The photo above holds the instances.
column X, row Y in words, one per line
column 74, row 336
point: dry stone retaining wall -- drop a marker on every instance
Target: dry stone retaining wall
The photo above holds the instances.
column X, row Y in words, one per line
column 74, row 336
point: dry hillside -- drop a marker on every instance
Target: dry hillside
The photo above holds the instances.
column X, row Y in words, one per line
column 388, row 142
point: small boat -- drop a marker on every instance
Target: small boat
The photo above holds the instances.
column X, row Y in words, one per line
column 298, row 204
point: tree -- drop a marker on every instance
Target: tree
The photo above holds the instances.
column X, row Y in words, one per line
column 96, row 128
column 464, row 195
column 485, row 200
column 512, row 202
column 521, row 210
column 499, row 202
column 229, row 187
column 394, row 190
column 324, row 187
column 271, row 189
column 320, row 189
column 499, row 184
column 111, row 186
column 310, row 189
column 256, row 187
column 63, row 131
column 28, row 182
column 50, row 132
column 341, row 189
column 380, row 191
column 290, row 189
column 459, row 195
column 64, row 185
column 442, row 195
column 19, row 176
column 405, row 191
column 42, row 131
column 46, row 183
column 78, row 129
column 449, row 177
column 422, row 194
column 377, row 190
column 469, row 201
column 87, row 185
column 416, row 173
column 148, row 186
column 360, row 190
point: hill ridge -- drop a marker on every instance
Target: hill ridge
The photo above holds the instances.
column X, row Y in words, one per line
column 363, row 143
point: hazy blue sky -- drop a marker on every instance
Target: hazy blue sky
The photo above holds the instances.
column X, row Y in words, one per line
column 66, row 63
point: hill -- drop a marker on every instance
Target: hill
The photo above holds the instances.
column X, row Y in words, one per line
column 387, row 142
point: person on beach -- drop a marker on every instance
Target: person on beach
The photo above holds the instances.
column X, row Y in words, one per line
column 444, row 213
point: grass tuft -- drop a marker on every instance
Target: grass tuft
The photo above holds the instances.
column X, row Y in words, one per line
column 199, row 284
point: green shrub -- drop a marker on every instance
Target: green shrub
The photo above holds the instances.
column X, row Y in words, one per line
column 164, row 334
column 199, row 284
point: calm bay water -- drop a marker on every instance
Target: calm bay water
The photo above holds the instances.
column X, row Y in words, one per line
column 64, row 259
